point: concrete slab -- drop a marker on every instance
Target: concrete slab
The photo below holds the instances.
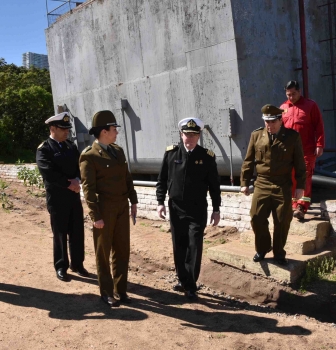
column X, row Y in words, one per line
column 315, row 228
column 240, row 256
column 295, row 244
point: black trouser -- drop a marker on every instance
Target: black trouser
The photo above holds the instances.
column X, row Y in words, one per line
column 66, row 219
column 187, row 228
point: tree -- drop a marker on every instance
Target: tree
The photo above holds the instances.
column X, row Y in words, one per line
column 25, row 103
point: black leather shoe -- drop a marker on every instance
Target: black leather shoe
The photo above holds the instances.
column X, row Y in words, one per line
column 281, row 261
column 82, row 271
column 192, row 296
column 124, row 298
column 260, row 256
column 62, row 275
column 178, row 287
column 110, row 301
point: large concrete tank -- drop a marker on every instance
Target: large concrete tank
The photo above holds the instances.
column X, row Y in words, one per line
column 164, row 60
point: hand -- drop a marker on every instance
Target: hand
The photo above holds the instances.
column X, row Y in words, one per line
column 245, row 190
column 215, row 217
column 74, row 185
column 161, row 210
column 298, row 193
column 318, row 152
column 98, row 224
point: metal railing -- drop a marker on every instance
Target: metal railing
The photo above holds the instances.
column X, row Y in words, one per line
column 65, row 7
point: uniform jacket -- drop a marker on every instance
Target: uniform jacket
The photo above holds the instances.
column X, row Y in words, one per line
column 274, row 162
column 105, row 178
column 188, row 178
column 305, row 117
column 57, row 164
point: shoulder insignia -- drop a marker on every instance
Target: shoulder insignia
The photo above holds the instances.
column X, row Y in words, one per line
column 170, row 148
column 86, row 149
column 40, row 145
column 210, row 153
column 261, row 128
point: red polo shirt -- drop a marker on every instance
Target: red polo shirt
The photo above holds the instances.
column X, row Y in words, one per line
column 305, row 117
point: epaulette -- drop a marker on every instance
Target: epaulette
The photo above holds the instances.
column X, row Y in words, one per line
column 170, row 148
column 40, row 145
column 86, row 149
column 258, row 129
column 210, row 153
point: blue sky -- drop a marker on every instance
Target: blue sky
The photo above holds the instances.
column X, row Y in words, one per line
column 22, row 25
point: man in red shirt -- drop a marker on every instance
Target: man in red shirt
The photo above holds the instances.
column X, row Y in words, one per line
column 304, row 116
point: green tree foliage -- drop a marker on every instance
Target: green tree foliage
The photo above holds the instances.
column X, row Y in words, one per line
column 25, row 103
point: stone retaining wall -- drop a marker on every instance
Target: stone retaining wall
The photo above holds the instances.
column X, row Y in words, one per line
column 8, row 172
column 330, row 207
column 234, row 210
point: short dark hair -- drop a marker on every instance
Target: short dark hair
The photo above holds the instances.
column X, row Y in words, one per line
column 98, row 129
column 292, row 84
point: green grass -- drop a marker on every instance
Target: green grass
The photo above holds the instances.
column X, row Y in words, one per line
column 318, row 269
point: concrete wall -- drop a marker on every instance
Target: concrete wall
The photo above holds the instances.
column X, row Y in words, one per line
column 267, row 33
column 318, row 55
column 180, row 58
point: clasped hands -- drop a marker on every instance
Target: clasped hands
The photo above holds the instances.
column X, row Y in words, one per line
column 74, row 185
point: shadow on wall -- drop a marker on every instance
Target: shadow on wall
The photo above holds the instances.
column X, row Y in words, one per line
column 82, row 135
column 135, row 126
column 231, row 126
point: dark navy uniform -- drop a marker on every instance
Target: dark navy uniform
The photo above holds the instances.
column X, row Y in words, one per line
column 57, row 163
column 187, row 177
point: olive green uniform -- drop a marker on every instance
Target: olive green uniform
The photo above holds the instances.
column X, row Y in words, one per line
column 107, row 186
column 272, row 194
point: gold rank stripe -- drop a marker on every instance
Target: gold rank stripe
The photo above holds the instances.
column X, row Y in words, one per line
column 210, row 153
column 169, row 148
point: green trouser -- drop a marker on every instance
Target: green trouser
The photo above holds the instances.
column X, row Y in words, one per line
column 267, row 199
column 115, row 237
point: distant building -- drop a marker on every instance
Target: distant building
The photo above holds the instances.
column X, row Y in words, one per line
column 30, row 59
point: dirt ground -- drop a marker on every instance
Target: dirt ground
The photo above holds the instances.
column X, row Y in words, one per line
column 236, row 310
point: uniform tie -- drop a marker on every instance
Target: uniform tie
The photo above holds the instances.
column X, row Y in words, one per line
column 272, row 138
column 111, row 151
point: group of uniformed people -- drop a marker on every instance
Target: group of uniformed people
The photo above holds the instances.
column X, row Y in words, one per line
column 187, row 174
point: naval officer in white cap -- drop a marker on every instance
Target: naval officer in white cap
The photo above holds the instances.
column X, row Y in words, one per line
column 57, row 160
column 187, row 173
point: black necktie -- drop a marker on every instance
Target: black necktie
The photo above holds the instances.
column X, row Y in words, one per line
column 111, row 151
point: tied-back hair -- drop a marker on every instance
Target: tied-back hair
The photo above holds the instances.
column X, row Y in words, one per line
column 98, row 129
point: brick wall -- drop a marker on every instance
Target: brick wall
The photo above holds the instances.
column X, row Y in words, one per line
column 8, row 172
column 234, row 210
